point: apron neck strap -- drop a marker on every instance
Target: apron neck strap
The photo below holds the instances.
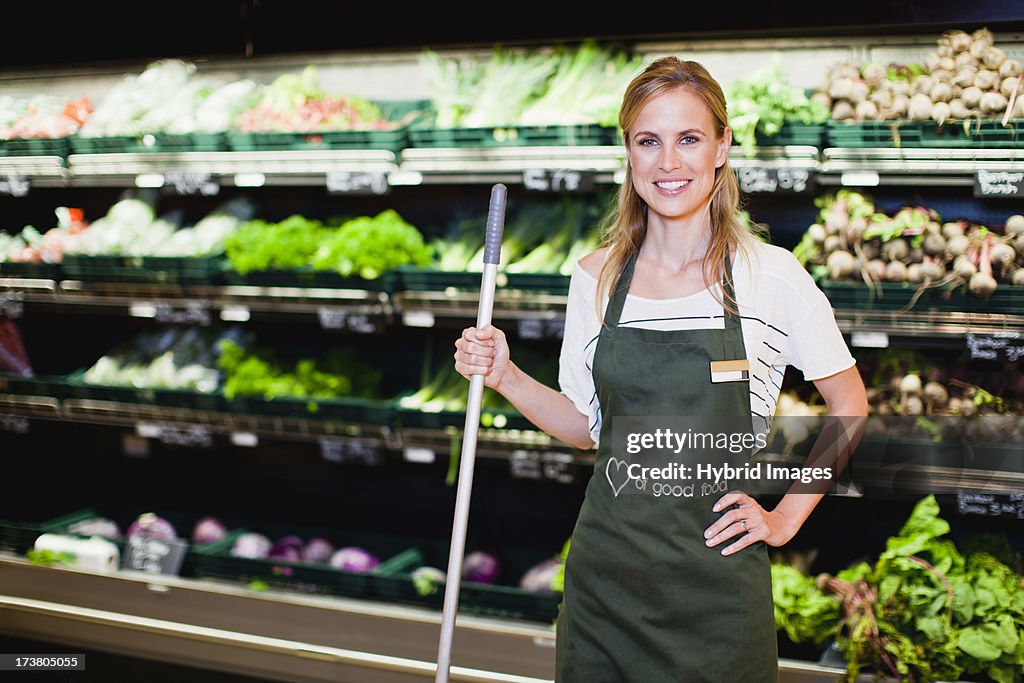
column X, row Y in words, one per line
column 613, row 311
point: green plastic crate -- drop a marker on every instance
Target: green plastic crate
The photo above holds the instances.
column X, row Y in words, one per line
column 986, row 133
column 894, row 296
column 792, row 134
column 37, row 271
column 417, row 419
column 214, row 560
column 39, row 385
column 352, row 410
column 17, row 536
column 401, row 112
column 149, row 143
column 48, row 147
column 174, row 270
column 515, row 136
column 507, row 600
column 78, row 388
column 307, row 277
column 428, row 280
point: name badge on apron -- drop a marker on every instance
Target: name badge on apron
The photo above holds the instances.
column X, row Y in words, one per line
column 730, row 370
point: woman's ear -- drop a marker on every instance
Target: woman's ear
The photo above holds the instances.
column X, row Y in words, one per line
column 724, row 145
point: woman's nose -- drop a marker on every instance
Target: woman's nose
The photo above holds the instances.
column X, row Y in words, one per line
column 669, row 159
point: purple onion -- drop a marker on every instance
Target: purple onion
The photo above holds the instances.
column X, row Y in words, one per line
column 481, row 567
column 96, row 526
column 208, row 530
column 318, row 551
column 149, row 525
column 537, row 578
column 287, row 548
column 251, row 545
column 353, row 559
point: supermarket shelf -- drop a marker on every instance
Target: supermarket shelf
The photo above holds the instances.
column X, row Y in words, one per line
column 914, row 166
column 290, row 637
column 45, row 171
column 927, row 325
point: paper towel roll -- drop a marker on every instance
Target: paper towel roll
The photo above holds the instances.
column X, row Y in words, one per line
column 94, row 554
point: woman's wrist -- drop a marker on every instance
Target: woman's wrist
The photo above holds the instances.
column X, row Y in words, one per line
column 510, row 379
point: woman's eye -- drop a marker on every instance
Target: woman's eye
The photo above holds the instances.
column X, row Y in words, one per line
column 648, row 142
column 688, row 139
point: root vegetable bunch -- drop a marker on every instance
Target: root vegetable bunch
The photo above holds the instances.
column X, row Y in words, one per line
column 851, row 241
column 965, row 77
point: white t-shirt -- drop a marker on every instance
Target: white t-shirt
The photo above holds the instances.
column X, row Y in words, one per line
column 785, row 318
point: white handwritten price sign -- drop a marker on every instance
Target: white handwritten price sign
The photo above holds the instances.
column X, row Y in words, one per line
column 762, row 179
column 998, row 184
column 350, row 182
column 154, row 555
column 1007, row 345
column 188, row 182
column 14, row 184
column 541, row 180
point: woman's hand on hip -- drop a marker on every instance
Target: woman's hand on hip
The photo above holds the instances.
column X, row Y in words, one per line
column 750, row 522
column 483, row 351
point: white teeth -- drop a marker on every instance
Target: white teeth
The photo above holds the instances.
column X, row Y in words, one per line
column 674, row 185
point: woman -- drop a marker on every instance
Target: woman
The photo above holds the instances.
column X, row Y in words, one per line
column 680, row 590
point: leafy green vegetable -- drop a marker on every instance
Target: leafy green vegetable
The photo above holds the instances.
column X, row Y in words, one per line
column 48, row 558
column 369, row 247
column 761, row 103
column 801, row 610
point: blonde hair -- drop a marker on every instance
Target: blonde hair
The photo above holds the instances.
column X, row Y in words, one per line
column 625, row 225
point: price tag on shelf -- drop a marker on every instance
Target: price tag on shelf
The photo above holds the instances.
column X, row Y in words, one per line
column 192, row 436
column 1006, row 345
column 193, row 313
column 424, row 456
column 998, row 184
column 153, row 555
column 351, row 451
column 542, row 465
column 245, row 439
column 357, row 182
column 990, row 504
column 542, row 180
column 869, row 340
column 418, row 318
column 10, row 307
column 538, row 328
column 332, row 318
column 189, row 182
column 754, row 179
column 859, row 179
column 14, row 184
column 18, row 424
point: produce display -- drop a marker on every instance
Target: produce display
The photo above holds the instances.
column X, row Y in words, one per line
column 967, row 76
column 170, row 358
column 30, row 246
column 924, row 610
column 169, row 96
column 761, row 103
column 366, row 246
column 41, row 116
column 565, row 86
column 298, row 103
column 251, row 370
column 852, row 241
column 132, row 227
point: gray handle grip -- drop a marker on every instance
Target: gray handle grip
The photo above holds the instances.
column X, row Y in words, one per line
column 495, row 224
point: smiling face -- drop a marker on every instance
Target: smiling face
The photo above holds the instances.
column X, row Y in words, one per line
column 673, row 151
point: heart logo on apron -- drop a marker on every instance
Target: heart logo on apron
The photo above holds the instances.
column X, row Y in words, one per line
column 619, row 464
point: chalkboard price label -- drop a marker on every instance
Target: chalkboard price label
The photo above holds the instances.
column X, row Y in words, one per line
column 11, row 308
column 191, row 436
column 193, row 313
column 1008, row 346
column 339, row 319
column 350, row 182
column 14, row 184
column 756, row 179
column 153, row 555
column 14, row 423
column 998, row 184
column 990, row 504
column 188, row 182
column 351, row 452
column 542, row 180
column 542, row 466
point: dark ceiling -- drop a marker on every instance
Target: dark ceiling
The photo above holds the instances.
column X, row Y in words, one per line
column 42, row 33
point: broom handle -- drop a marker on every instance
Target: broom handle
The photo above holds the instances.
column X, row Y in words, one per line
column 492, row 252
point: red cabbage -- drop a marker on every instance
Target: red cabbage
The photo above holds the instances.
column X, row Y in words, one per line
column 354, row 559
column 318, row 550
column 251, row 545
column 481, row 567
column 538, row 578
column 287, row 548
column 149, row 525
column 208, row 530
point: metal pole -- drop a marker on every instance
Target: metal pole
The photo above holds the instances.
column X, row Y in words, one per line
column 453, row 581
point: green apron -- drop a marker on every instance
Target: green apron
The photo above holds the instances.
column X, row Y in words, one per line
column 646, row 601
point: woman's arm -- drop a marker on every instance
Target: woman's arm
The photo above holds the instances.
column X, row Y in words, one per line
column 485, row 352
column 847, row 403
